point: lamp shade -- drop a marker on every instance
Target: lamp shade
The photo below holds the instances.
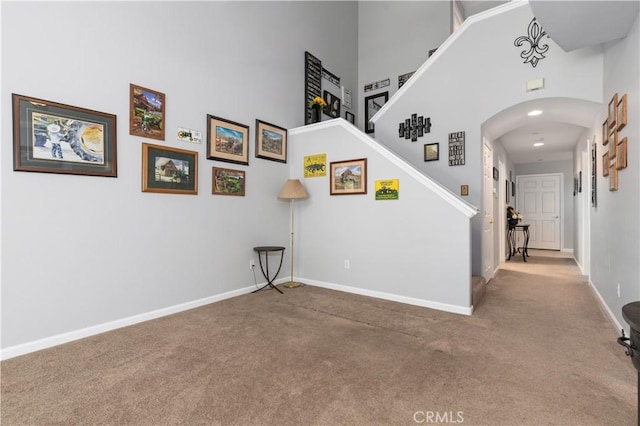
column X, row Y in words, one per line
column 293, row 190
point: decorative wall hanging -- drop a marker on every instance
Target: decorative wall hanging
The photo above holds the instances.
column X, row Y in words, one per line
column 464, row 190
column 402, row 79
column 350, row 117
column 372, row 105
column 414, row 127
column 189, row 135
column 228, row 182
column 333, row 104
column 621, row 112
column 227, row 140
column 146, row 112
column 271, row 142
column 312, row 83
column 456, row 149
column 348, row 177
column 169, row 170
column 611, row 114
column 605, row 164
column 330, row 77
column 594, row 166
column 496, row 173
column 432, row 152
column 536, row 50
column 49, row 137
column 377, row 85
column 387, row 189
column 621, row 154
column 615, row 158
column 346, row 97
column 315, row 165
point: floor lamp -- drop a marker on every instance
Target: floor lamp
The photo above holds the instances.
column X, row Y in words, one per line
column 292, row 190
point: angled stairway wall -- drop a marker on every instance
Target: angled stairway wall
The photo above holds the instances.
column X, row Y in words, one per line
column 416, row 249
column 475, row 74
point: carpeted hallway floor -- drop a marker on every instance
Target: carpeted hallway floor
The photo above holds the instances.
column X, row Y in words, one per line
column 538, row 350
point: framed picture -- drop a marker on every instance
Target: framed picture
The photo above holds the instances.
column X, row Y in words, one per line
column 432, row 152
column 605, row 132
column 613, row 143
column 621, row 110
column 605, row 164
column 496, row 175
column 146, row 112
column 227, row 140
column 348, row 177
column 228, row 182
column 49, row 137
column 350, row 117
column 464, row 190
column 580, row 181
column 611, row 116
column 621, row 154
column 333, row 104
column 507, row 192
column 513, row 189
column 613, row 178
column 271, row 142
column 372, row 105
column 169, row 170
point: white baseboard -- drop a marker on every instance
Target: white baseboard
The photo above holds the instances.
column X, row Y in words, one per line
column 59, row 339
column 613, row 318
column 393, row 297
column 567, row 250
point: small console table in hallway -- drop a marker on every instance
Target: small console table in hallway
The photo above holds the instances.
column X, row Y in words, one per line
column 266, row 250
column 511, row 238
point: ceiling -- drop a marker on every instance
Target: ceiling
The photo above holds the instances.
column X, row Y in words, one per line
column 572, row 25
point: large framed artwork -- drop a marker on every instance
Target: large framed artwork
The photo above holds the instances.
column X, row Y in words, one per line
column 271, row 142
column 228, row 182
column 146, row 112
column 372, row 105
column 169, row 170
column 348, row 177
column 333, row 104
column 50, row 137
column 227, row 140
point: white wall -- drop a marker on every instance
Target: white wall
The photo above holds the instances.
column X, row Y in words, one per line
column 80, row 251
column 394, row 38
column 470, row 80
column 415, row 249
column 615, row 223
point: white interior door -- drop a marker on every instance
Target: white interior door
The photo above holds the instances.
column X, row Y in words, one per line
column 487, row 208
column 538, row 201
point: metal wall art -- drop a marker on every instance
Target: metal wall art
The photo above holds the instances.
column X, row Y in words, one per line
column 414, row 127
column 536, row 49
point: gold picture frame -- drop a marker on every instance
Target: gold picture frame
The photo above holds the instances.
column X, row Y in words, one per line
column 621, row 112
column 169, row 170
column 621, row 154
column 611, row 116
column 613, row 144
column 146, row 112
column 348, row 177
column 613, row 178
column 605, row 133
column 605, row 164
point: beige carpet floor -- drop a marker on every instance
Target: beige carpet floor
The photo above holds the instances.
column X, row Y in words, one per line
column 538, row 350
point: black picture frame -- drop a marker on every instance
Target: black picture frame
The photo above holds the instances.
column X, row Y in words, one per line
column 333, row 104
column 169, row 170
column 271, row 142
column 372, row 105
column 496, row 174
column 432, row 152
column 227, row 140
column 350, row 117
column 513, row 189
column 51, row 137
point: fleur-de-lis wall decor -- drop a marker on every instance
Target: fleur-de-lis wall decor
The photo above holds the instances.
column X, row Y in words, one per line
column 414, row 127
column 536, row 50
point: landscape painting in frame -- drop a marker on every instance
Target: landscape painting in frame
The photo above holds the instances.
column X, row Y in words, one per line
column 146, row 112
column 169, row 170
column 271, row 142
column 228, row 182
column 349, row 177
column 227, row 140
column 55, row 138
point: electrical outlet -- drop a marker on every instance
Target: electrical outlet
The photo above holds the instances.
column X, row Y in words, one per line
column 618, row 290
column 346, row 264
column 252, row 263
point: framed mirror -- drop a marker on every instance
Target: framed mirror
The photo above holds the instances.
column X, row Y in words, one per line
column 372, row 105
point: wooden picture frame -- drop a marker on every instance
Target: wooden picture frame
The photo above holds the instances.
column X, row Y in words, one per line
column 146, row 112
column 169, row 170
column 613, row 178
column 51, row 137
column 613, row 143
column 348, row 177
column 611, row 115
column 621, row 109
column 605, row 164
column 372, row 105
column 605, row 133
column 271, row 142
column 621, row 154
column 350, row 117
column 228, row 182
column 464, row 190
column 432, row 152
column 227, row 140
column 333, row 104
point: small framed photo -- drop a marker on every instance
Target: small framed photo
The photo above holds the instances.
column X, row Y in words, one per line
column 333, row 104
column 432, row 152
column 621, row 154
column 228, row 182
column 612, row 115
column 169, row 170
column 605, row 164
column 621, row 109
column 350, row 117
column 605, row 133
column 348, row 177
column 146, row 112
column 271, row 142
column 50, row 137
column 464, row 190
column 227, row 140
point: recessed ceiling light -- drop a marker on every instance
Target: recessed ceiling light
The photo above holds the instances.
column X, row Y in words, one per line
column 538, row 144
column 534, row 112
